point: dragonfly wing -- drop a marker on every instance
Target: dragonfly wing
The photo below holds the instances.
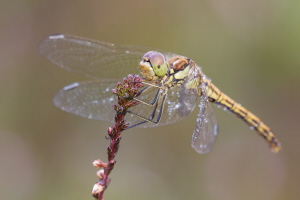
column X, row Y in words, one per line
column 91, row 58
column 179, row 104
column 92, row 99
column 206, row 129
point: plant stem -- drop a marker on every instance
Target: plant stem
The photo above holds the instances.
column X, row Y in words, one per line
column 125, row 91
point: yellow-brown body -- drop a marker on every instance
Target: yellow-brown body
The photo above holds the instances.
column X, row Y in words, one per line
column 182, row 70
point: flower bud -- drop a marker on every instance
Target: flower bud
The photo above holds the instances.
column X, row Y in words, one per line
column 97, row 188
column 100, row 173
column 99, row 164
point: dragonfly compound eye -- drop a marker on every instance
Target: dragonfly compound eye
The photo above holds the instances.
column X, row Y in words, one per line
column 158, row 63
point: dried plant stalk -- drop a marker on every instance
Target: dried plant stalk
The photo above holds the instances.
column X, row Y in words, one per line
column 125, row 91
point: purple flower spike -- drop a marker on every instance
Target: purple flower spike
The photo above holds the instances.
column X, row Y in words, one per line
column 126, row 91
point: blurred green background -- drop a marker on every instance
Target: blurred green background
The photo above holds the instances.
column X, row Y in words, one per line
column 250, row 49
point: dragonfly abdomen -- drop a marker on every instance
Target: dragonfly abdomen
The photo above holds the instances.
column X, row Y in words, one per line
column 216, row 96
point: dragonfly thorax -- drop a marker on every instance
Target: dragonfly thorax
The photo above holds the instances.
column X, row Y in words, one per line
column 153, row 66
column 179, row 72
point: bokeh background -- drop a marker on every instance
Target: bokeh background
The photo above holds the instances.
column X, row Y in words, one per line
column 250, row 49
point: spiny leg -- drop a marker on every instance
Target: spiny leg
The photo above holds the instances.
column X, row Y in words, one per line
column 146, row 90
column 142, row 92
column 156, row 114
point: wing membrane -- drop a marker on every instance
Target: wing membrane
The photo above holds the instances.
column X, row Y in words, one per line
column 91, row 58
column 94, row 100
column 206, row 128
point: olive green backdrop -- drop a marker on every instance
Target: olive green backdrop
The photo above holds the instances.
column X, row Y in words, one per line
column 250, row 50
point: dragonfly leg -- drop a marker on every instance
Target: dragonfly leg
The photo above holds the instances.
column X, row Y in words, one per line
column 156, row 114
column 142, row 122
column 141, row 92
column 144, row 91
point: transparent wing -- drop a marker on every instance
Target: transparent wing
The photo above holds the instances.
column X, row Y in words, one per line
column 179, row 103
column 91, row 58
column 206, row 128
column 94, row 100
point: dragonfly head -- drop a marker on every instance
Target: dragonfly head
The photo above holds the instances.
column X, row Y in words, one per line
column 153, row 66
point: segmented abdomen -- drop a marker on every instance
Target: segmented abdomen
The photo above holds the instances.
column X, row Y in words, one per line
column 216, row 96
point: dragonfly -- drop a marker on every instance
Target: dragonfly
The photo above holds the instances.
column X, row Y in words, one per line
column 173, row 85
